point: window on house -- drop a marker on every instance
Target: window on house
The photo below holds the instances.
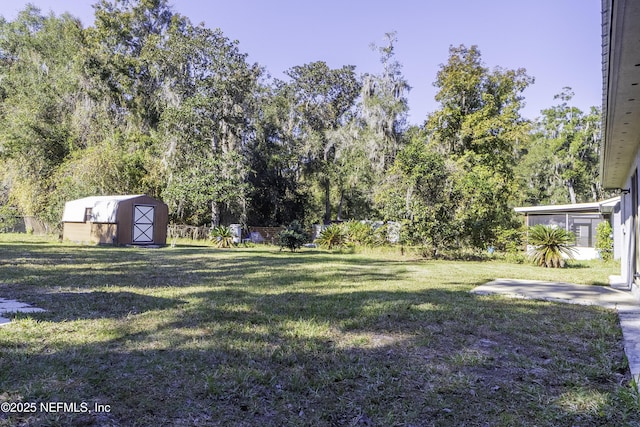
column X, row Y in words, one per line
column 584, row 227
column 553, row 220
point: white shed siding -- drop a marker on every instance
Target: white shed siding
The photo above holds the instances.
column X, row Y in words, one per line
column 103, row 208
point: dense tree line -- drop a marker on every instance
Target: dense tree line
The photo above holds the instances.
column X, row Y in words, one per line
column 144, row 101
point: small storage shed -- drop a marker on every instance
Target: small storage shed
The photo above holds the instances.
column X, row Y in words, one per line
column 118, row 220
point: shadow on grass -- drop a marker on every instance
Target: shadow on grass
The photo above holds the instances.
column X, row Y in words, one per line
column 48, row 269
column 437, row 356
column 575, row 265
column 68, row 306
column 253, row 338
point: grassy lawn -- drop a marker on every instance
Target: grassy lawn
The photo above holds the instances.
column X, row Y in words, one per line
column 193, row 336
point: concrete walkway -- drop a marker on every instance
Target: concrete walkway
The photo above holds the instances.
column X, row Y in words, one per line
column 621, row 300
column 13, row 306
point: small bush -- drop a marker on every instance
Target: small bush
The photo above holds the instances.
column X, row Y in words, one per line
column 604, row 240
column 550, row 245
column 332, row 237
column 292, row 238
column 509, row 239
column 222, row 236
column 513, row 254
column 359, row 233
column 515, row 257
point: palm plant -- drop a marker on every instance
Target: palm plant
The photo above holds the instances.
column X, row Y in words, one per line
column 550, row 245
column 332, row 237
column 222, row 236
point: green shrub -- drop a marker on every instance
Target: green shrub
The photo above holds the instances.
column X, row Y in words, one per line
column 513, row 252
column 604, row 240
column 550, row 245
column 292, row 238
column 359, row 233
column 222, row 236
column 509, row 239
column 332, row 237
column 8, row 219
column 515, row 257
column 380, row 235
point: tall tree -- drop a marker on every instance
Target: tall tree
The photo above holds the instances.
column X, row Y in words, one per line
column 124, row 45
column 480, row 127
column 39, row 93
column 420, row 190
column 384, row 107
column 206, row 123
column 320, row 98
column 355, row 178
column 560, row 164
column 277, row 193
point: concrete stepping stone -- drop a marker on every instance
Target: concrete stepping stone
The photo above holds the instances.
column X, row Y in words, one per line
column 13, row 306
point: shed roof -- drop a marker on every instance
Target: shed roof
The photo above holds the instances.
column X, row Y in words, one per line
column 605, row 206
column 103, row 208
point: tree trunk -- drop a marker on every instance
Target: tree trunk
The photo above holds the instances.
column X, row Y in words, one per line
column 407, row 201
column 243, row 213
column 215, row 214
column 594, row 192
column 572, row 192
column 327, row 202
column 339, row 217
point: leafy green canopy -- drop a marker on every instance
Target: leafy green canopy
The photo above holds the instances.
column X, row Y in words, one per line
column 560, row 161
column 480, row 126
column 420, row 191
column 144, row 101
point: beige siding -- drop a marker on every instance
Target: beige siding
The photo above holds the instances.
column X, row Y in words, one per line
column 104, row 233
column 79, row 232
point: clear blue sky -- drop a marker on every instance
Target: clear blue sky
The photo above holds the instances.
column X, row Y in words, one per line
column 557, row 41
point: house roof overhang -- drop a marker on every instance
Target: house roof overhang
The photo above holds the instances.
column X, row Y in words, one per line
column 621, row 90
column 605, row 206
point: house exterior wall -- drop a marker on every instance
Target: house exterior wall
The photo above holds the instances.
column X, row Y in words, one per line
column 579, row 253
column 573, row 220
column 629, row 225
column 625, row 225
column 616, row 226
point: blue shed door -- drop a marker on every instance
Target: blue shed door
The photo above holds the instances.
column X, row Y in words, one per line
column 143, row 224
